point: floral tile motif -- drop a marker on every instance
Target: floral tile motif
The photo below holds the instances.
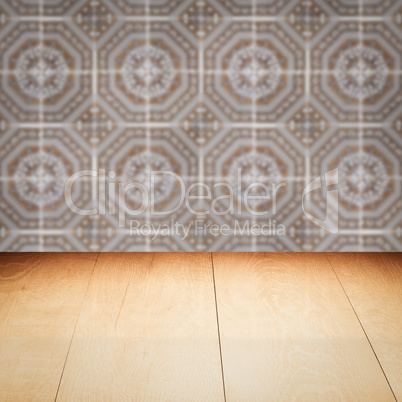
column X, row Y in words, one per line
column 148, row 76
column 45, row 74
column 270, row 160
column 358, row 73
column 95, row 18
column 201, row 124
column 307, row 18
column 94, row 125
column 201, row 18
column 252, row 73
column 240, row 92
column 127, row 154
column 93, row 232
column 128, row 159
column 369, row 176
column 37, row 165
column 308, row 125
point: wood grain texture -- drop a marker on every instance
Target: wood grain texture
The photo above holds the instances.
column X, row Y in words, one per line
column 373, row 283
column 148, row 327
column 288, row 332
column 40, row 299
column 147, row 332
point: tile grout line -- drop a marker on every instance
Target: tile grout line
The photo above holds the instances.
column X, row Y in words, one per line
column 200, row 153
column 225, row 18
column 148, row 133
column 254, row 139
column 206, row 72
column 360, row 120
column 176, row 124
column 97, row 188
column 219, row 332
column 41, row 128
column 362, row 327
column 75, row 326
column 307, row 101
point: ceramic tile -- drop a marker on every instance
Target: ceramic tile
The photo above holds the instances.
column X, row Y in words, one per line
column 283, row 92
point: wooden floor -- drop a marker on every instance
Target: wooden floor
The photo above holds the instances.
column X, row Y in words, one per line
column 202, row 327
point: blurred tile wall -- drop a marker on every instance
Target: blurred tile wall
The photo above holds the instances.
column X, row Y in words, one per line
column 283, row 91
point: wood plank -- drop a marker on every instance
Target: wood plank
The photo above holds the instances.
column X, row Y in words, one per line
column 148, row 331
column 373, row 283
column 40, row 299
column 288, row 332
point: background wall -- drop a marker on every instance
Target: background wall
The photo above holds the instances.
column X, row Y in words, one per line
column 285, row 91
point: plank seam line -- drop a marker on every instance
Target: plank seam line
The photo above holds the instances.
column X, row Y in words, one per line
column 121, row 307
column 75, row 326
column 219, row 332
column 361, row 325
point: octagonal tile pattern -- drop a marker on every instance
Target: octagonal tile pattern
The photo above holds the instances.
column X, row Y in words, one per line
column 148, row 76
column 251, row 71
column 240, row 92
column 35, row 165
column 46, row 71
column 358, row 72
column 369, row 176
